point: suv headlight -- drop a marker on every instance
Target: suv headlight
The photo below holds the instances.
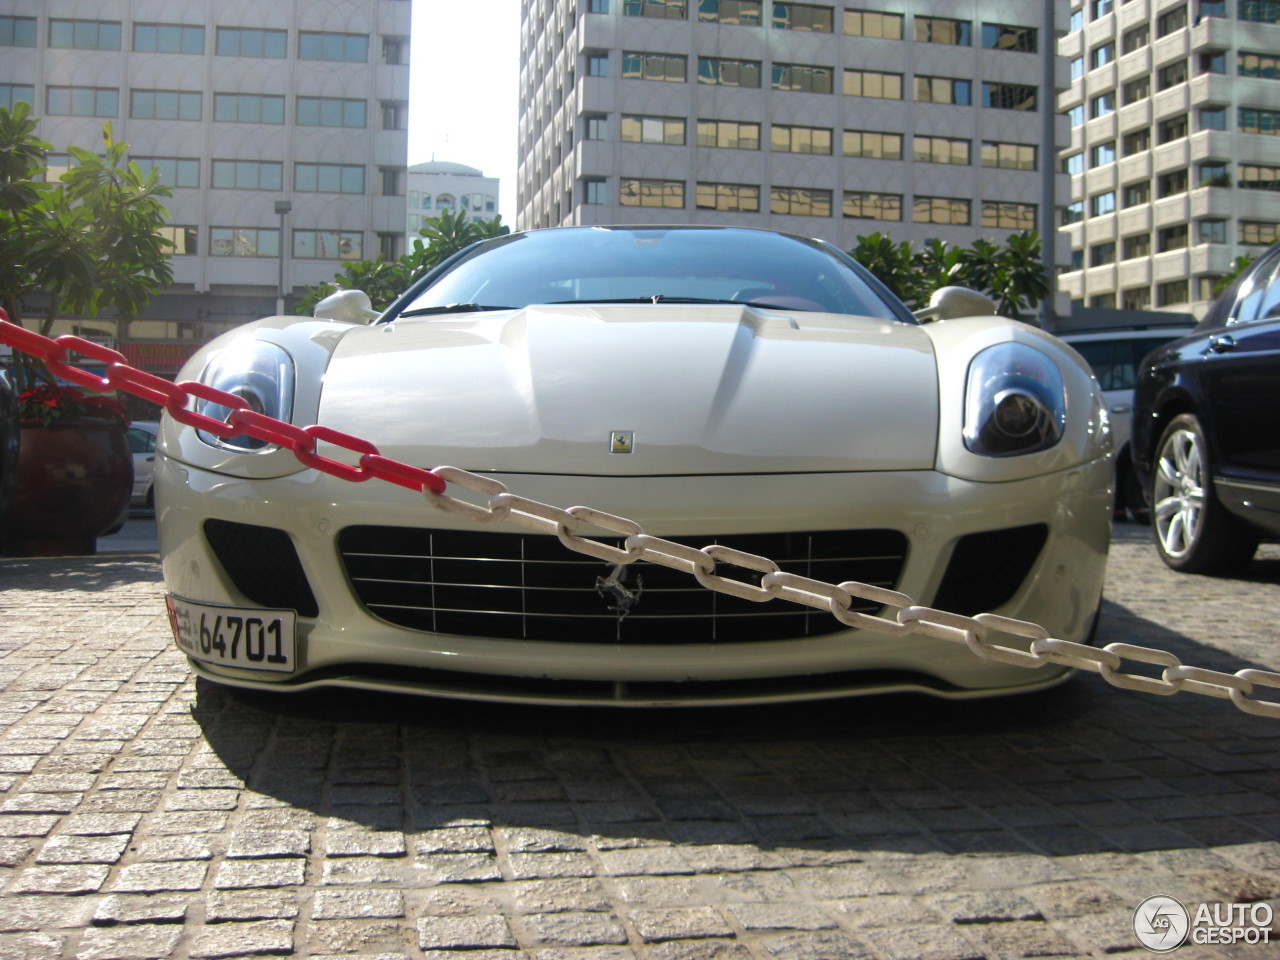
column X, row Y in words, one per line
column 261, row 373
column 1014, row 403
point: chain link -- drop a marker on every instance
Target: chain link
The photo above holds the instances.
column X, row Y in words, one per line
column 495, row 502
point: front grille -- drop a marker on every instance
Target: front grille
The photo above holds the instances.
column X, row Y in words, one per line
column 533, row 588
column 263, row 565
column 986, row 569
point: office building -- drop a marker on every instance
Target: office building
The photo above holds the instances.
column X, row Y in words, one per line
column 1174, row 159
column 917, row 118
column 281, row 128
column 439, row 185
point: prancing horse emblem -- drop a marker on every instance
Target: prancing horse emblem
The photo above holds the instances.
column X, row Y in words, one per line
column 613, row 587
column 622, row 441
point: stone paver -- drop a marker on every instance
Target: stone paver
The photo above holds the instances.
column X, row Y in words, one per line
column 143, row 814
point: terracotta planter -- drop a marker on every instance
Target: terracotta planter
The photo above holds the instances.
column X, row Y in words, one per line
column 74, row 481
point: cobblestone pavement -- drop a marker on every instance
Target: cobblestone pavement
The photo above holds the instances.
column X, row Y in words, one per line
column 145, row 815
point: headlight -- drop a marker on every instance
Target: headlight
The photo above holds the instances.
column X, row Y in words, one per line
column 1014, row 403
column 261, row 373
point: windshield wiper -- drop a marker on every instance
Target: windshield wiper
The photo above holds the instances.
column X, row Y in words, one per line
column 453, row 308
column 659, row 298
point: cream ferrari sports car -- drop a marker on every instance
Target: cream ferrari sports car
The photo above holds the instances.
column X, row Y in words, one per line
column 718, row 386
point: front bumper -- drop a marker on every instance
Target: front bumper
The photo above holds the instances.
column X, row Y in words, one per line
column 342, row 643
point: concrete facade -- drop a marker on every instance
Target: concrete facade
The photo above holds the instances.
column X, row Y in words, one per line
column 439, row 185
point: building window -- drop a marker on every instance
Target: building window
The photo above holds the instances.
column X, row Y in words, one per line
column 729, row 134
column 668, row 130
column 1101, row 254
column 1102, row 154
column 1257, row 233
column 1256, row 176
column 1139, row 245
column 1102, row 203
column 1103, row 104
column 1212, row 8
column 1135, row 39
column 17, row 31
column 165, row 105
column 1077, row 20
column 1171, row 238
column 1073, row 212
column 1205, row 284
column 82, row 101
column 1260, row 11
column 1213, row 61
column 597, row 6
column 1077, row 68
column 802, row 78
column 244, row 242
column 729, row 73
column 1105, row 301
column 873, row 23
column 167, row 38
column 1171, row 20
column 1172, row 183
column 943, row 90
column 1007, row 215
column 1101, row 55
column 1171, row 292
column 800, row 201
column 1258, row 121
column 661, row 9
column 242, row 42
column 1003, row 36
column 1075, row 115
column 328, row 245
column 248, row 174
column 865, row 205
column 331, row 112
column 597, row 65
column 171, row 171
column 395, row 51
column 338, row 47
column 593, row 191
column 948, row 210
column 1171, row 74
column 741, row 12
column 638, row 65
column 1214, row 175
column 182, row 240
column 1137, row 89
column 390, row 246
column 1099, row 8
column 728, row 197
column 803, row 16
column 1008, row 96
column 942, row 30
column 1213, row 118
column 596, row 127
column 393, row 182
column 635, row 192
column 1258, row 65
column 872, row 144
column 85, row 34
column 940, row 150
column 1171, row 128
column 247, row 108
column 328, row 178
column 1211, row 231
column 872, row 83
column 1136, row 298
column 787, row 139
column 1073, row 165
column 395, row 114
column 1136, row 141
column 1136, row 194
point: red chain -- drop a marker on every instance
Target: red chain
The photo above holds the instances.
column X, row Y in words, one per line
column 176, row 399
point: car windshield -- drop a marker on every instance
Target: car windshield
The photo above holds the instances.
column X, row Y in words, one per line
column 654, row 265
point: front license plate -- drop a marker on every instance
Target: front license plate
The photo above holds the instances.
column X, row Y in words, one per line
column 247, row 638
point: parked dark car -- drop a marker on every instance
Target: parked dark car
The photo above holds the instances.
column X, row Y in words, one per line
column 8, row 442
column 1206, row 429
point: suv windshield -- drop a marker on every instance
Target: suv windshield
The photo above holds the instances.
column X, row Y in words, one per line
column 653, row 265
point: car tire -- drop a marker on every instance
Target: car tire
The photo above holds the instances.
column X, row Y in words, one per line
column 1193, row 532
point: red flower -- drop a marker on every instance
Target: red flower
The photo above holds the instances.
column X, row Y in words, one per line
column 51, row 403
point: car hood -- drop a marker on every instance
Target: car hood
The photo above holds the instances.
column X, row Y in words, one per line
column 700, row 389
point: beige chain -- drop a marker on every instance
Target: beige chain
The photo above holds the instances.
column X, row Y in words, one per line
column 836, row 599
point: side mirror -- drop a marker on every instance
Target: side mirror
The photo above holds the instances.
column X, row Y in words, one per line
column 349, row 306
column 950, row 303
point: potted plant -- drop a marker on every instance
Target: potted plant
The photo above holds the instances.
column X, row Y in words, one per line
column 74, row 472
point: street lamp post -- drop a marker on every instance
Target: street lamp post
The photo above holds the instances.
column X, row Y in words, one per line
column 282, row 208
